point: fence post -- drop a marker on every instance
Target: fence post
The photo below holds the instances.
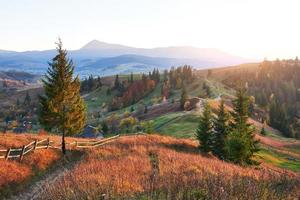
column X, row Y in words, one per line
column 7, row 154
column 22, row 153
column 35, row 144
column 48, row 143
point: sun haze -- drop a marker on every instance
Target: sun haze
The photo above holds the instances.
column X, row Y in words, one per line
column 254, row 29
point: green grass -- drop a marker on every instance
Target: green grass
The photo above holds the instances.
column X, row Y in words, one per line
column 218, row 88
column 278, row 159
column 180, row 124
column 101, row 96
column 184, row 124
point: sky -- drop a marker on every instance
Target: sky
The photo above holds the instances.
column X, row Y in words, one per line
column 247, row 28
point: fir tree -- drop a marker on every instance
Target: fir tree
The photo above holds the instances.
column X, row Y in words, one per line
column 183, row 98
column 91, row 83
column 204, row 131
column 131, row 77
column 27, row 99
column 104, row 127
column 108, row 92
column 263, row 131
column 117, row 84
column 99, row 82
column 221, row 130
column 240, row 144
column 61, row 107
column 131, row 109
column 5, row 84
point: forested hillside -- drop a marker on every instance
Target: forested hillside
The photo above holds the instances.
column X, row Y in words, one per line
column 276, row 88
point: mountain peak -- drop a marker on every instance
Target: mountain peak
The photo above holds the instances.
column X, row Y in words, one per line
column 96, row 44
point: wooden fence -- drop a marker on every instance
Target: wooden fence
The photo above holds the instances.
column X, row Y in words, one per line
column 47, row 143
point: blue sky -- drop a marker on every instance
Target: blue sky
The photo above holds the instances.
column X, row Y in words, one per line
column 249, row 28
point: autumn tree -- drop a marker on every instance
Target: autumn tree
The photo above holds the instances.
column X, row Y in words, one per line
column 61, row 107
column 127, row 124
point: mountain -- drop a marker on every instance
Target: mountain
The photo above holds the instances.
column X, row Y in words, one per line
column 125, row 64
column 18, row 76
column 106, row 59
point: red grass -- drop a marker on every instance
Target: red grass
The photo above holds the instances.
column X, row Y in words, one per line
column 14, row 172
column 125, row 169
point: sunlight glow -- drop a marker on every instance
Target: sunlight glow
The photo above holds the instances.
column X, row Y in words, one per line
column 249, row 28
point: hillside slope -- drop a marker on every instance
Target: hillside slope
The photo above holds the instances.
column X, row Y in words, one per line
column 156, row 167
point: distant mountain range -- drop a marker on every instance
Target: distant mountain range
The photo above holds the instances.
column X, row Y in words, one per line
column 102, row 59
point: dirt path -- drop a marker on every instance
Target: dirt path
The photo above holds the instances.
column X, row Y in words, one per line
column 37, row 188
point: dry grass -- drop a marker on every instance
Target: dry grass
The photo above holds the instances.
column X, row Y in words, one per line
column 14, row 173
column 156, row 167
column 17, row 140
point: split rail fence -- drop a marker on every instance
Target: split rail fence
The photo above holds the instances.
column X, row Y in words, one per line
column 15, row 153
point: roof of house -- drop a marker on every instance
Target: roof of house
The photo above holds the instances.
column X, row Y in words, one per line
column 91, row 132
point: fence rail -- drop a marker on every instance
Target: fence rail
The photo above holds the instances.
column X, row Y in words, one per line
column 47, row 143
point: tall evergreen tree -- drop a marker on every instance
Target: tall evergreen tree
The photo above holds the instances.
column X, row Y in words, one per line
column 221, row 128
column 27, row 99
column 204, row 131
column 91, row 83
column 131, row 77
column 241, row 144
column 99, row 82
column 61, row 107
column 183, row 98
column 18, row 102
column 117, row 83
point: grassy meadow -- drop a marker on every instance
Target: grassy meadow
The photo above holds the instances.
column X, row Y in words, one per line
column 160, row 167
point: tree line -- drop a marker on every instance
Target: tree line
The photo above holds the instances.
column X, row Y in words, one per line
column 131, row 91
column 90, row 83
column 176, row 78
column 275, row 86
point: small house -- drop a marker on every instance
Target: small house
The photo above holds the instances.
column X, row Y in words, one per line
column 91, row 132
column 20, row 129
column 193, row 103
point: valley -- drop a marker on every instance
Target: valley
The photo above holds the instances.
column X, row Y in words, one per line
column 154, row 124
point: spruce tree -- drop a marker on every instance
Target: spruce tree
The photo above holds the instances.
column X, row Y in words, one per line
column 61, row 107
column 183, row 98
column 241, row 144
column 27, row 99
column 204, row 131
column 263, row 131
column 99, row 82
column 131, row 77
column 221, row 130
column 117, row 83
